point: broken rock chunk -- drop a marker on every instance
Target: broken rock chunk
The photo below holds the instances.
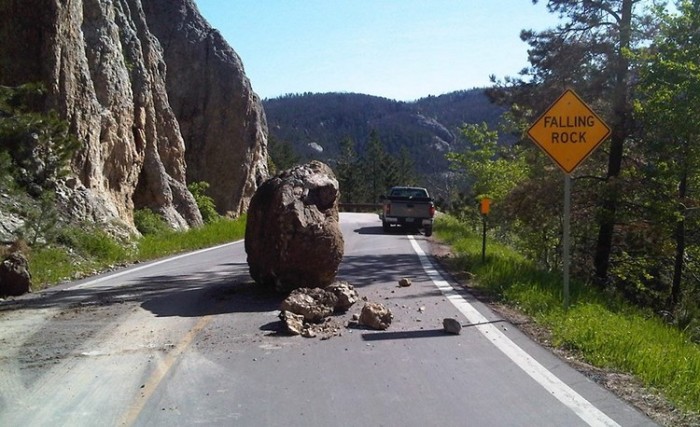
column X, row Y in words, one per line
column 375, row 316
column 345, row 293
column 405, row 282
column 314, row 304
column 452, row 326
column 294, row 322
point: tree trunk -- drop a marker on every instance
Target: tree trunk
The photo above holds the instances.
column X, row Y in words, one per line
column 620, row 130
column 679, row 236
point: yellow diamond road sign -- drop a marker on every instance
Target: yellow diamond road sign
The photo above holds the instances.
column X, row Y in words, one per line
column 568, row 131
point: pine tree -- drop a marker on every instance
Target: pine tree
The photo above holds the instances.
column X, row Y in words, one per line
column 348, row 173
column 589, row 52
column 669, row 90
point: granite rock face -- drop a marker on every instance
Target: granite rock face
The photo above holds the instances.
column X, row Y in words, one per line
column 221, row 118
column 293, row 238
column 105, row 73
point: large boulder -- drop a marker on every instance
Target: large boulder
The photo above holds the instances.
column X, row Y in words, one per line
column 15, row 278
column 293, row 237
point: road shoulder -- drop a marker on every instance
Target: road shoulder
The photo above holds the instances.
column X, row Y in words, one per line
column 625, row 386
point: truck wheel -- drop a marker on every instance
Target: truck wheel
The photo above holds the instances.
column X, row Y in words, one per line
column 428, row 230
column 386, row 227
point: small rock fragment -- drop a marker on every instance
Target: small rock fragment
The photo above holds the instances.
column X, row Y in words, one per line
column 375, row 316
column 452, row 326
column 294, row 322
column 308, row 332
column 405, row 282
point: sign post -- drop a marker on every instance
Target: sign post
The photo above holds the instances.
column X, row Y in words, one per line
column 568, row 132
column 485, row 209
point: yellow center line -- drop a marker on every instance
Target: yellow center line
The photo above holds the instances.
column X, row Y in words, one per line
column 161, row 371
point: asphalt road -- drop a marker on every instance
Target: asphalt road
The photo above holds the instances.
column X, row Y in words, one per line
column 190, row 340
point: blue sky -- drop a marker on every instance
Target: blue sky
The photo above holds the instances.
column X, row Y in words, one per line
column 398, row 49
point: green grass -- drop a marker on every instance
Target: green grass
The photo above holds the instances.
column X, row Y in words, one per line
column 82, row 252
column 603, row 329
column 218, row 232
column 79, row 252
column 50, row 265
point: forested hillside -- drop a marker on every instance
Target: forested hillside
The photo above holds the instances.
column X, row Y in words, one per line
column 314, row 125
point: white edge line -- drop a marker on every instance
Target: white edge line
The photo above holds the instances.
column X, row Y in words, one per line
column 149, row 265
column 556, row 387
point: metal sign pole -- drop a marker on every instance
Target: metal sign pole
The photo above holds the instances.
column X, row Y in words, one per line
column 484, row 208
column 483, row 240
column 566, row 242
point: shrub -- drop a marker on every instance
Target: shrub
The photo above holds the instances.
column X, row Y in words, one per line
column 94, row 244
column 205, row 203
column 41, row 220
column 39, row 143
column 149, row 222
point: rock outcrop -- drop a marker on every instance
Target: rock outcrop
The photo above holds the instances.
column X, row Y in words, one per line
column 105, row 74
column 293, row 238
column 221, row 118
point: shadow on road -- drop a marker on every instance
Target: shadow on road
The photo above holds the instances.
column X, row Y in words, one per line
column 363, row 270
column 423, row 333
column 228, row 289
column 401, row 335
column 187, row 299
column 204, row 293
column 394, row 230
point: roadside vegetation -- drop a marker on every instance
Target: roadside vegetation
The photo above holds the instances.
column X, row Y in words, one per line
column 80, row 252
column 604, row 329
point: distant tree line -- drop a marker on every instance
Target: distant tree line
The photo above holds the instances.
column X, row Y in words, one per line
column 426, row 129
column 363, row 176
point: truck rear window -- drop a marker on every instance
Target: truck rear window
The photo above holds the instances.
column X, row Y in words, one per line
column 414, row 193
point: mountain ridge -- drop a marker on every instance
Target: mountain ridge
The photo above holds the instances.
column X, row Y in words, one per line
column 427, row 128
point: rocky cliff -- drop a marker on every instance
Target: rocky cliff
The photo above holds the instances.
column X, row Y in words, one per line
column 106, row 75
column 221, row 118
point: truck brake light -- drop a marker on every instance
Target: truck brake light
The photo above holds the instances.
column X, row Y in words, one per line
column 432, row 210
column 387, row 209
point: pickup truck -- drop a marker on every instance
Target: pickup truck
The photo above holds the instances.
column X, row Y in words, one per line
column 408, row 207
